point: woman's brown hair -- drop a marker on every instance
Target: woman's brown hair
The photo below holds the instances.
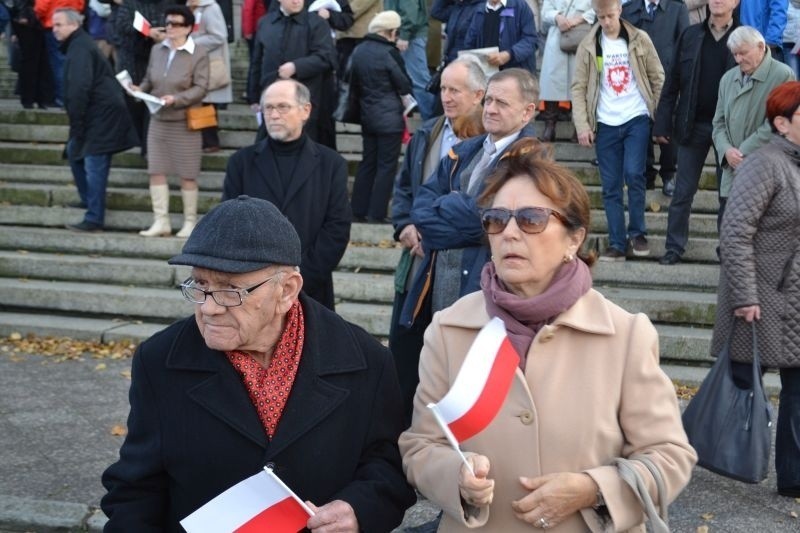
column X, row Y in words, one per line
column 533, row 159
column 470, row 125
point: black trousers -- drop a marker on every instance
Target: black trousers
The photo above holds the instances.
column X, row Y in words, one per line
column 375, row 176
column 406, row 345
column 35, row 83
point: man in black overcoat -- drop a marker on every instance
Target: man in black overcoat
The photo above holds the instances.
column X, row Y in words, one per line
column 99, row 123
column 261, row 375
column 307, row 181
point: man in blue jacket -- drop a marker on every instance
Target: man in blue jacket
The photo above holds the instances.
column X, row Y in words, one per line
column 462, row 89
column 509, row 25
column 769, row 18
column 445, row 211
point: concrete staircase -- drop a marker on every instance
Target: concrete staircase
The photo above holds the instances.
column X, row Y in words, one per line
column 117, row 284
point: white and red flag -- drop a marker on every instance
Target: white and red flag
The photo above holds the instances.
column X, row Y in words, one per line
column 259, row 503
column 481, row 386
column 141, row 24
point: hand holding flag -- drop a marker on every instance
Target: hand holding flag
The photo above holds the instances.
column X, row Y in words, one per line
column 259, row 503
column 480, row 388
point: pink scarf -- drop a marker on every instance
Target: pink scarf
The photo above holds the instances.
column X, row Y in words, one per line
column 524, row 317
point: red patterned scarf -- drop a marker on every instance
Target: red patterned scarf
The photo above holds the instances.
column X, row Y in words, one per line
column 269, row 387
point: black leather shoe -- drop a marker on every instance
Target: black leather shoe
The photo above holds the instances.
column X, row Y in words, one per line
column 669, row 187
column 789, row 492
column 670, row 258
column 86, row 227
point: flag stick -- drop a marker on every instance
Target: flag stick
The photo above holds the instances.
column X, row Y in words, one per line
column 450, row 437
column 305, row 507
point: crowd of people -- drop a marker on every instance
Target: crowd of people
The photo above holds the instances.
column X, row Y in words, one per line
column 490, row 225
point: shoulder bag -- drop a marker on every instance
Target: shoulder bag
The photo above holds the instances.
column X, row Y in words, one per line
column 200, row 118
column 348, row 107
column 218, row 75
column 729, row 427
column 658, row 518
column 569, row 40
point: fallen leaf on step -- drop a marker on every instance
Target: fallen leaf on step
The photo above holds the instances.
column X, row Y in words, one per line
column 707, row 516
column 125, row 374
column 793, row 514
column 702, row 529
column 15, row 336
column 101, row 366
column 22, row 252
column 119, row 431
column 655, row 207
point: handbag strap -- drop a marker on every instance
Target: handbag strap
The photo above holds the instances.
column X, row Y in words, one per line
column 658, row 518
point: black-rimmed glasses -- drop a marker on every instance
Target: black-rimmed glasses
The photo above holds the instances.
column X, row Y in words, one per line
column 529, row 219
column 223, row 297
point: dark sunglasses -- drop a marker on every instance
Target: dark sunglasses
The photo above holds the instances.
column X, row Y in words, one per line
column 529, row 219
column 175, row 24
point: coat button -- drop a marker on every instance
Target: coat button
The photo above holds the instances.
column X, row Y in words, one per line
column 465, row 273
column 526, row 417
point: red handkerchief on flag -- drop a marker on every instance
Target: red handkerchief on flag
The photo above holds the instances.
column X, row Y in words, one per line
column 481, row 386
column 259, row 503
column 141, row 24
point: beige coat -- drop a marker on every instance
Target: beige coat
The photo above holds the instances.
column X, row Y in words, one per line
column 586, row 82
column 592, row 391
column 186, row 79
column 363, row 12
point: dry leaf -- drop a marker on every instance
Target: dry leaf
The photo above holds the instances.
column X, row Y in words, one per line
column 702, row 529
column 707, row 516
column 15, row 336
column 125, row 374
column 793, row 514
column 119, row 431
column 101, row 366
column 655, row 207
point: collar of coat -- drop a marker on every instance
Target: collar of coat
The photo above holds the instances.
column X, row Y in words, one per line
column 275, row 15
column 590, row 314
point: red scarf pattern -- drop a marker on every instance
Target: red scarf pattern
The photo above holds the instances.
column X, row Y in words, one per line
column 269, row 387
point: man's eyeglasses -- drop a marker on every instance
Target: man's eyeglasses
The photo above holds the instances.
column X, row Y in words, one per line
column 282, row 109
column 223, row 297
column 529, row 219
column 175, row 24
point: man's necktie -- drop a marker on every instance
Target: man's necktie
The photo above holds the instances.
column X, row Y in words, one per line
column 651, row 9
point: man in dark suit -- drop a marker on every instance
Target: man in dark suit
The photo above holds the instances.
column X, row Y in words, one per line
column 307, row 181
column 260, row 376
column 292, row 43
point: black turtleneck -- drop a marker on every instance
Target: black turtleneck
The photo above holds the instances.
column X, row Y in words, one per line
column 286, row 156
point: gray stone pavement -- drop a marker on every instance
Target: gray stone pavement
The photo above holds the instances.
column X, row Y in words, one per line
column 57, row 421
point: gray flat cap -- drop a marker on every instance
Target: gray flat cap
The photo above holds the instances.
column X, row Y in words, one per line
column 241, row 235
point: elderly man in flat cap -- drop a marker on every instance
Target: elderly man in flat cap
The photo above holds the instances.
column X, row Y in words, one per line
column 260, row 376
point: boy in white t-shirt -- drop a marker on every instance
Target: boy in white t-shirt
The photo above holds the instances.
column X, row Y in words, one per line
column 618, row 80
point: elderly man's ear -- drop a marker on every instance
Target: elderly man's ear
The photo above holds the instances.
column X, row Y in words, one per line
column 291, row 286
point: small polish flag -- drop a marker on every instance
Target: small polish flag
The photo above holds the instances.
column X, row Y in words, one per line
column 481, row 386
column 141, row 24
column 259, row 503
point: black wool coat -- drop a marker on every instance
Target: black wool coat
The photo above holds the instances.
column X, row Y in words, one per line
column 315, row 202
column 379, row 74
column 99, row 122
column 193, row 431
column 304, row 39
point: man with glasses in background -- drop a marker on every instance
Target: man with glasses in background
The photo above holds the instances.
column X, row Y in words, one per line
column 307, row 181
column 260, row 376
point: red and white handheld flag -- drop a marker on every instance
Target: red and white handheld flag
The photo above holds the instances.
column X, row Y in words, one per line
column 259, row 503
column 481, row 386
column 141, row 24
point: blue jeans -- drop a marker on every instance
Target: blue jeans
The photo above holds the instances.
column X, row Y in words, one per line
column 621, row 155
column 416, row 59
column 793, row 60
column 56, row 59
column 91, row 178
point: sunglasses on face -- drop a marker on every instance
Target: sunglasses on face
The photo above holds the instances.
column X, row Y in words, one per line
column 175, row 24
column 529, row 219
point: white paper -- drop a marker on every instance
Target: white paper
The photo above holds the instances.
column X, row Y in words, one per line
column 481, row 55
column 409, row 103
column 330, row 5
column 153, row 103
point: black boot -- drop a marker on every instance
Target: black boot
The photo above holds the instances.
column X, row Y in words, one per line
column 550, row 116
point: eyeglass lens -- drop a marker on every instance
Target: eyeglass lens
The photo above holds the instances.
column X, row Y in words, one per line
column 223, row 297
column 281, row 108
column 529, row 219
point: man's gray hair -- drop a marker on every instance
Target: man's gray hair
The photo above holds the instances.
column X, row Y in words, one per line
column 476, row 77
column 301, row 93
column 72, row 16
column 744, row 36
column 527, row 83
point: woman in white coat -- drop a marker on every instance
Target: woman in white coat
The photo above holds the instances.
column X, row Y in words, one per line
column 558, row 66
column 211, row 33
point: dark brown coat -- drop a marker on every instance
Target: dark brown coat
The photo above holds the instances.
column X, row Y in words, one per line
column 759, row 243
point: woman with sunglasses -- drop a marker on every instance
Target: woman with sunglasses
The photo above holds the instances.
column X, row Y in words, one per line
column 177, row 73
column 587, row 388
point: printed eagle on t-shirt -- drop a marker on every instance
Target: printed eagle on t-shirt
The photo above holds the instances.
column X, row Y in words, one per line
column 618, row 78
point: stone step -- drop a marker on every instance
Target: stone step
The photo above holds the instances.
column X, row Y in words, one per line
column 678, row 343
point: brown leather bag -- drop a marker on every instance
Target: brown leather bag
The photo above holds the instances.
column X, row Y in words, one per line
column 200, row 118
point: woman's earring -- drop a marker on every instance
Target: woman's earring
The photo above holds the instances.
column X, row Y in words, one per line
column 568, row 258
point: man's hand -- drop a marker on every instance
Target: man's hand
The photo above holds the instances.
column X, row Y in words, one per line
column 402, row 45
column 287, row 70
column 334, row 517
column 661, row 139
column 498, row 59
column 586, row 138
column 158, row 34
column 324, row 13
column 734, row 157
column 411, row 239
column 477, row 490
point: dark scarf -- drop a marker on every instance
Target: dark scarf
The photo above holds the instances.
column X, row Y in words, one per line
column 524, row 317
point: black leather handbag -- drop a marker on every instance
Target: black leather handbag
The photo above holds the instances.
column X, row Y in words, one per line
column 348, row 107
column 730, row 427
